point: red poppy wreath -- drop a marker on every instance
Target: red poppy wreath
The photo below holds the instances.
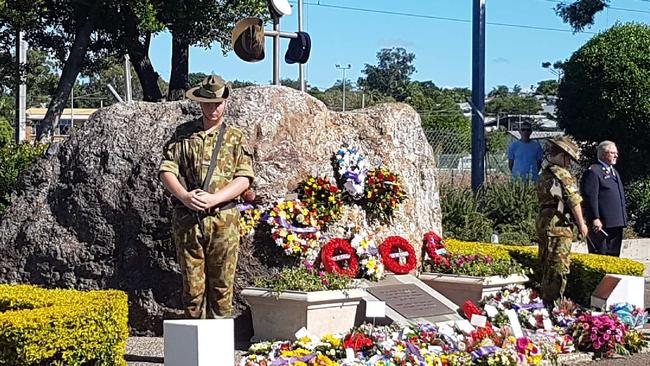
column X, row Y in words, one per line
column 339, row 256
column 434, row 245
column 395, row 250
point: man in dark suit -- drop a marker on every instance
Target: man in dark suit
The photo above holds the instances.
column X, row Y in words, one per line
column 604, row 202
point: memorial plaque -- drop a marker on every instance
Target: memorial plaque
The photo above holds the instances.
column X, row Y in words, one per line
column 605, row 287
column 410, row 301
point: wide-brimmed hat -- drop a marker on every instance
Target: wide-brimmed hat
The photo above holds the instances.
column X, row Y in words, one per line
column 213, row 89
column 299, row 49
column 248, row 39
column 567, row 145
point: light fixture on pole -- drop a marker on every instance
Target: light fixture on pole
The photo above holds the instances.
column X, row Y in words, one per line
column 344, row 67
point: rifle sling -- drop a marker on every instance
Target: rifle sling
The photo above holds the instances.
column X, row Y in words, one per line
column 215, row 155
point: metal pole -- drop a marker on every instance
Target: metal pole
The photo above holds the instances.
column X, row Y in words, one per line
column 363, row 100
column 301, row 67
column 21, row 95
column 343, row 81
column 343, row 90
column 115, row 94
column 276, row 51
column 478, row 94
column 127, row 78
column 71, row 110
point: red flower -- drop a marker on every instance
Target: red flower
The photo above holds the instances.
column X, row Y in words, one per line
column 470, row 309
column 433, row 242
column 357, row 342
column 333, row 188
column 391, row 246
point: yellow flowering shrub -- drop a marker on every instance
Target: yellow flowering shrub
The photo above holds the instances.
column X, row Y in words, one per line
column 586, row 269
column 62, row 327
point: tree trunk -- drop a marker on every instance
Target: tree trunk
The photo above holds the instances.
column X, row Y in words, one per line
column 66, row 81
column 179, row 81
column 139, row 55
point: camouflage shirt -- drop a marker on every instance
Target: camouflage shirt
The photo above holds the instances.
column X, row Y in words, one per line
column 187, row 155
column 557, row 192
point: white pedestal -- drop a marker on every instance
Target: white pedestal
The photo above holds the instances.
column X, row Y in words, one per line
column 615, row 288
column 204, row 342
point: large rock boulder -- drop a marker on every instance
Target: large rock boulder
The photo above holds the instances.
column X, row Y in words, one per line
column 93, row 214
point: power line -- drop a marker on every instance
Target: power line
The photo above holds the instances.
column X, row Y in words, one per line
column 450, row 19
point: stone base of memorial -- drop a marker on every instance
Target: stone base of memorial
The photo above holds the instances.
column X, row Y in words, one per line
column 459, row 288
column 280, row 316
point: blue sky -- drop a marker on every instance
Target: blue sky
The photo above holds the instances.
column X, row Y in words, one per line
column 442, row 47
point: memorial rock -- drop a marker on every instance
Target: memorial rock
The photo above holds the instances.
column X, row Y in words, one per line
column 92, row 214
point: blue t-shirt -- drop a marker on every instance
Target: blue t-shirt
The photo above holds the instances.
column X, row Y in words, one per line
column 525, row 156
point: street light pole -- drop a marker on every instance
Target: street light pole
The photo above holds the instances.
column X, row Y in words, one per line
column 343, row 68
column 478, row 94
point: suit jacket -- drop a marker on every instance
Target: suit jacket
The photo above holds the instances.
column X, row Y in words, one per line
column 603, row 196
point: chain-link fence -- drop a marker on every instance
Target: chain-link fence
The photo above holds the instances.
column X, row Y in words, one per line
column 453, row 155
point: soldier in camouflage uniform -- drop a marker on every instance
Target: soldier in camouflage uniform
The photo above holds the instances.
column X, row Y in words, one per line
column 559, row 200
column 206, row 222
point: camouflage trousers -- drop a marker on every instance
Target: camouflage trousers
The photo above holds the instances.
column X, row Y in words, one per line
column 554, row 263
column 208, row 263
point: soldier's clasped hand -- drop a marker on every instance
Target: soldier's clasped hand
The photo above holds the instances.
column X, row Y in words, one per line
column 195, row 201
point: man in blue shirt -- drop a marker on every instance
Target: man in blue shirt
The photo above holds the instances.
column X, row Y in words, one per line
column 525, row 155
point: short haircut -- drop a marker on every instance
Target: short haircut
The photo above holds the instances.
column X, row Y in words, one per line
column 603, row 147
column 525, row 126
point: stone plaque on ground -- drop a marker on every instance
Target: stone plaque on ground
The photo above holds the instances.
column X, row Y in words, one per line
column 410, row 301
column 605, row 287
column 615, row 288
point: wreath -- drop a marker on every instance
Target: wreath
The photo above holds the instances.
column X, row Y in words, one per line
column 250, row 217
column 322, row 198
column 295, row 229
column 398, row 255
column 384, row 192
column 338, row 256
column 434, row 245
column 351, row 168
column 370, row 263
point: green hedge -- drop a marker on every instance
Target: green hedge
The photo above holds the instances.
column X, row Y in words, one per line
column 587, row 270
column 62, row 327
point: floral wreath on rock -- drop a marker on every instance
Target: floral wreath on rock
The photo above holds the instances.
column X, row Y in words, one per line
column 434, row 246
column 338, row 256
column 250, row 217
column 393, row 250
column 384, row 193
column 370, row 262
column 322, row 198
column 351, row 168
column 294, row 229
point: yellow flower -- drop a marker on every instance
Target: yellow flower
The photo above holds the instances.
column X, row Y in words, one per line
column 291, row 237
column 371, row 264
column 335, row 342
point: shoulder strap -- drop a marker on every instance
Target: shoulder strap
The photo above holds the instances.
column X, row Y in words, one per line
column 215, row 155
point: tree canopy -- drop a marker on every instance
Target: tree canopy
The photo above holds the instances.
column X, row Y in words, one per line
column 392, row 74
column 605, row 94
column 580, row 13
